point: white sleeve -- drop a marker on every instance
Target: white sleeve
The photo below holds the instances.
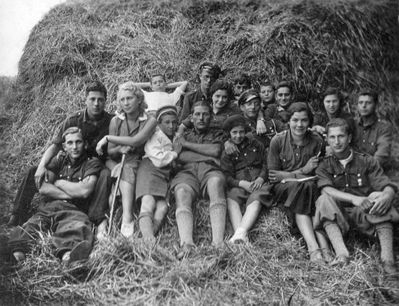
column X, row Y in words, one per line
column 176, row 94
column 160, row 154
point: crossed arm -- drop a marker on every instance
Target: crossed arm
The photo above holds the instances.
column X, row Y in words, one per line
column 377, row 203
column 66, row 190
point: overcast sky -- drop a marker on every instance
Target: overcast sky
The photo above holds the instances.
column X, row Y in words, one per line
column 17, row 18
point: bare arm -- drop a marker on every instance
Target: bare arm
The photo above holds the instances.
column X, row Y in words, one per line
column 339, row 195
column 182, row 85
column 50, row 190
column 50, row 152
column 81, row 190
column 143, row 84
column 208, row 149
column 137, row 140
column 189, row 157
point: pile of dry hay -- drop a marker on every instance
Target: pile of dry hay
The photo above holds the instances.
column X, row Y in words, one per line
column 312, row 43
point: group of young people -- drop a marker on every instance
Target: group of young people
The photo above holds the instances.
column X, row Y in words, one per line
column 239, row 147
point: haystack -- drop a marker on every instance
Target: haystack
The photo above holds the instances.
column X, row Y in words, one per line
column 314, row 44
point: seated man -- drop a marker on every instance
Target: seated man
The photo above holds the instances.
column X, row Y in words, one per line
column 94, row 122
column 208, row 73
column 70, row 180
column 200, row 175
column 356, row 192
column 279, row 110
column 373, row 136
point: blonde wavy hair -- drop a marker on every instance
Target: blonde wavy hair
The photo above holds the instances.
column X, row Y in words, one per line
column 136, row 91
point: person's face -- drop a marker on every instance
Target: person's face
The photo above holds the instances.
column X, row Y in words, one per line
column 237, row 134
column 240, row 88
column 201, row 117
column 366, row 105
column 220, row 99
column 128, row 101
column 95, row 103
column 338, row 140
column 168, row 124
column 74, row 145
column 207, row 79
column 331, row 104
column 283, row 96
column 251, row 108
column 299, row 123
column 266, row 93
column 158, row 83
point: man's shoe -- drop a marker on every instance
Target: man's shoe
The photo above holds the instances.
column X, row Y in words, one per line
column 81, row 251
column 14, row 221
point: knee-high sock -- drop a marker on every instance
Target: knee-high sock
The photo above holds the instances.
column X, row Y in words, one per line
column 145, row 224
column 385, row 235
column 184, row 220
column 335, row 236
column 217, row 212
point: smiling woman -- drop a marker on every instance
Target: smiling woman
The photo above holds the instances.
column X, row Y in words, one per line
column 17, row 18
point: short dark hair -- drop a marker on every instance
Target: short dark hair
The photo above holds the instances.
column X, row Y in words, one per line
column 212, row 67
column 297, row 107
column 201, row 103
column 247, row 96
column 333, row 91
column 243, row 79
column 284, row 84
column 72, row 130
column 369, row 92
column 221, row 85
column 96, row 86
column 234, row 121
column 267, row 84
column 157, row 74
column 339, row 122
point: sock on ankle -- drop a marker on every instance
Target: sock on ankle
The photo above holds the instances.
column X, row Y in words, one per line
column 335, row 235
column 184, row 220
column 385, row 235
column 217, row 212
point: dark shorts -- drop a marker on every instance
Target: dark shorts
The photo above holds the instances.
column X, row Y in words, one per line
column 152, row 180
column 263, row 195
column 196, row 176
column 349, row 216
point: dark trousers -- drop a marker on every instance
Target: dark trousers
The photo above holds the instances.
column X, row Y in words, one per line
column 25, row 193
column 68, row 223
column 98, row 204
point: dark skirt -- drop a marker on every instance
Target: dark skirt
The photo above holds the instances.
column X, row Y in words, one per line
column 296, row 198
column 263, row 195
column 152, row 180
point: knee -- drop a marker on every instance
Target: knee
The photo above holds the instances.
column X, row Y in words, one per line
column 183, row 194
column 324, row 200
column 216, row 181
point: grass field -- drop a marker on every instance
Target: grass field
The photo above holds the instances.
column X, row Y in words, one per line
column 313, row 43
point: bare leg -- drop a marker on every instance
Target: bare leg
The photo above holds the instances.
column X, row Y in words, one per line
column 234, row 213
column 160, row 213
column 305, row 226
column 127, row 192
column 248, row 220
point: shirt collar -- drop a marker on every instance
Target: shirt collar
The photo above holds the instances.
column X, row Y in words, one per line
column 374, row 119
column 306, row 139
column 122, row 116
column 86, row 117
